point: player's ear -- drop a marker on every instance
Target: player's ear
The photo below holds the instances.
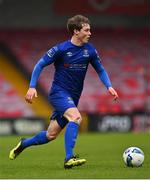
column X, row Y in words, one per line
column 76, row 31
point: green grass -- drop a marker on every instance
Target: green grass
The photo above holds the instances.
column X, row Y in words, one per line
column 102, row 151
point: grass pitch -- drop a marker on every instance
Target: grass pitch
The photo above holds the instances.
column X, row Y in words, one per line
column 102, row 151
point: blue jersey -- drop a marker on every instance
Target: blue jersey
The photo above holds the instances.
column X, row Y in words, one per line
column 71, row 63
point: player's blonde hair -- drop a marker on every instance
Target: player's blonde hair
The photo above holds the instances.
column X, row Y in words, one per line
column 76, row 22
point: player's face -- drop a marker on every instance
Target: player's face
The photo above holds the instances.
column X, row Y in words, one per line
column 84, row 34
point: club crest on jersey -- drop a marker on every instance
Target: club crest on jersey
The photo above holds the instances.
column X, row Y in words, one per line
column 85, row 53
column 69, row 54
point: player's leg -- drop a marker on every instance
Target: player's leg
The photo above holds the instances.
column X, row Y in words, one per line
column 40, row 138
column 43, row 137
column 53, row 130
column 74, row 118
column 66, row 105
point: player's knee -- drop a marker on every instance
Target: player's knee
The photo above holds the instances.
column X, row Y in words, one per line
column 77, row 119
column 74, row 116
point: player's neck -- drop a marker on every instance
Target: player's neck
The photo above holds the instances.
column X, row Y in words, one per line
column 76, row 41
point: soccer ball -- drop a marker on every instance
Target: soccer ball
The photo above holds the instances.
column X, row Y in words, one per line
column 133, row 157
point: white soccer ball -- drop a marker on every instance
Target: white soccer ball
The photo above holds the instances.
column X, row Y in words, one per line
column 133, row 157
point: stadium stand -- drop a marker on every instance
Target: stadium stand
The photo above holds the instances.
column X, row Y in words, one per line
column 12, row 75
column 10, row 97
column 124, row 53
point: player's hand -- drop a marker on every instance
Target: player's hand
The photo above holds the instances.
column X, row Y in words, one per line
column 30, row 94
column 113, row 93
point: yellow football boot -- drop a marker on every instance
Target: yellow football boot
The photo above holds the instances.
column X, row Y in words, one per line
column 74, row 161
column 16, row 151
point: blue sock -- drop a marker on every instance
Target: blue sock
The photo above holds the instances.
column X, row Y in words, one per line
column 70, row 138
column 38, row 139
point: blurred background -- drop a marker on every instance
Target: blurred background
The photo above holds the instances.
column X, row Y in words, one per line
column 121, row 34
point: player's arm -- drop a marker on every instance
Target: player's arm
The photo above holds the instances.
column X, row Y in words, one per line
column 103, row 75
column 46, row 60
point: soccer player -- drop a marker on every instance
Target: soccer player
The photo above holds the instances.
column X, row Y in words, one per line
column 71, row 59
